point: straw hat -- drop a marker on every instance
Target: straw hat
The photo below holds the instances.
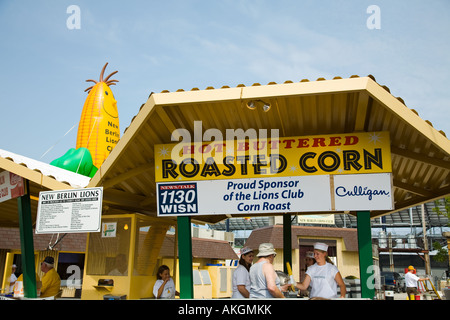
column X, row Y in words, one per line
column 266, row 249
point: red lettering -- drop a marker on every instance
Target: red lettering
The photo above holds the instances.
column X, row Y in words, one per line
column 274, row 144
column 257, row 147
column 334, row 141
column 188, row 149
column 219, row 147
column 177, row 187
column 243, row 146
column 351, row 140
column 319, row 141
column 303, row 143
column 206, row 148
column 3, row 192
column 289, row 143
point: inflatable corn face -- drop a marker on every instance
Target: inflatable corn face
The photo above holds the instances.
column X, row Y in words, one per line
column 98, row 130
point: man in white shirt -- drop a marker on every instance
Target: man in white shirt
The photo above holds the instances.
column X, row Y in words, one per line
column 12, row 278
column 411, row 282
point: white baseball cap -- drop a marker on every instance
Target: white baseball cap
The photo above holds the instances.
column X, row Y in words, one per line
column 246, row 250
column 320, row 246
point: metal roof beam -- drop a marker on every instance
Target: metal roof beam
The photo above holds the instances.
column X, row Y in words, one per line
column 412, row 189
column 420, row 157
column 123, row 199
column 399, row 109
column 361, row 112
column 128, row 174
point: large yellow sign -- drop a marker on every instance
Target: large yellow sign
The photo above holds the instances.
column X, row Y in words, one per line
column 335, row 154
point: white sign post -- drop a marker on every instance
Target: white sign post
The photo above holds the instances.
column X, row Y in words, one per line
column 69, row 211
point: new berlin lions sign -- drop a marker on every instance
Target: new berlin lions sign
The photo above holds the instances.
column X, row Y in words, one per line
column 326, row 173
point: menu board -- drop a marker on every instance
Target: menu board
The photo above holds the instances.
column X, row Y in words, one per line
column 69, row 211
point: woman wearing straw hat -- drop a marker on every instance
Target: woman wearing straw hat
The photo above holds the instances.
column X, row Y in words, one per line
column 264, row 280
column 323, row 276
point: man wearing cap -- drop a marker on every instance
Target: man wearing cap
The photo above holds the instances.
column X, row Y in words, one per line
column 51, row 282
column 12, row 278
column 323, row 276
column 264, row 281
column 411, row 282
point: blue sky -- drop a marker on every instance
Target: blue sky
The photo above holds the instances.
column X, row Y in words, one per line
column 168, row 45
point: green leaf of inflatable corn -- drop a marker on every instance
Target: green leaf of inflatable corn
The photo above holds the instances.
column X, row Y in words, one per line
column 78, row 161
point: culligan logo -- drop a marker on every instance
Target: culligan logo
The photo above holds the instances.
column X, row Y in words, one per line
column 360, row 191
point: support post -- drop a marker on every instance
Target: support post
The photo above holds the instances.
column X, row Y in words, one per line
column 366, row 269
column 186, row 279
column 425, row 243
column 287, row 241
column 26, row 243
column 447, row 235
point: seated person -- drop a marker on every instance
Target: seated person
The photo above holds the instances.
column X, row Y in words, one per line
column 51, row 282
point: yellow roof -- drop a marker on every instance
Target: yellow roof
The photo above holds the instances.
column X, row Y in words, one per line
column 420, row 153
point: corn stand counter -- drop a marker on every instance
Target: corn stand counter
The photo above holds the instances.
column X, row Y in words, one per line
column 221, row 280
column 122, row 259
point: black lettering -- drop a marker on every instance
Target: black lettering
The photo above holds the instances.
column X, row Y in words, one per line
column 376, row 159
column 274, row 158
column 110, row 124
column 332, row 167
column 244, row 161
column 195, row 168
column 258, row 164
column 230, row 166
column 351, row 158
column 302, row 162
column 168, row 167
column 210, row 168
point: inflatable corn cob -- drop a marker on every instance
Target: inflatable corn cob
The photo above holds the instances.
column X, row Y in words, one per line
column 98, row 130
